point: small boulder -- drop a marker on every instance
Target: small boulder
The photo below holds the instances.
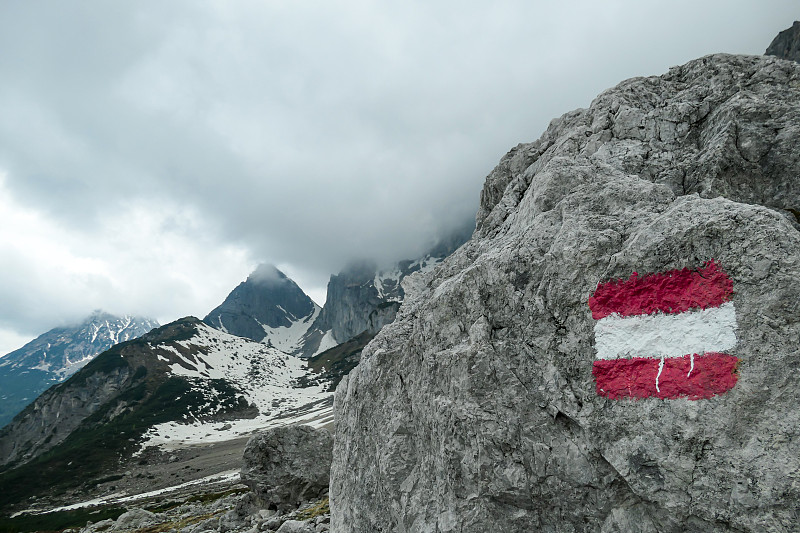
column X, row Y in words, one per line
column 287, row 465
column 135, row 519
column 296, row 526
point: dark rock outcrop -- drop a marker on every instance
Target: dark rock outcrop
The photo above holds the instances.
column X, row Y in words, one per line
column 478, row 410
column 333, row 364
column 353, row 297
column 787, row 44
column 288, row 465
column 363, row 298
column 259, row 307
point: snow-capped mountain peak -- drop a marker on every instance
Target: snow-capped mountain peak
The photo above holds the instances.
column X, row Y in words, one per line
column 267, row 307
column 54, row 356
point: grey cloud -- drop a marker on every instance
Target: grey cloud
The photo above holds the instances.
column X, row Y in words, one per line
column 310, row 133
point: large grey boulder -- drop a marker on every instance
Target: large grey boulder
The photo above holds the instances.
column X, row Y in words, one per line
column 288, row 465
column 477, row 409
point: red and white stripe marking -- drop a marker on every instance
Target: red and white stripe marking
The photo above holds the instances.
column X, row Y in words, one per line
column 665, row 335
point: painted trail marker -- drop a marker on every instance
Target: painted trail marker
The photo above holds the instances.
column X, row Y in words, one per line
column 665, row 335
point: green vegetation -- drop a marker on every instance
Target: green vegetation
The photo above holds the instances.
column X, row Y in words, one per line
column 58, row 521
column 179, row 524
column 197, row 498
column 321, row 508
column 94, row 448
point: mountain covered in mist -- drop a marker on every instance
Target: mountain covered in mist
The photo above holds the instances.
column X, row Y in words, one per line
column 364, row 297
column 54, row 356
column 267, row 307
column 270, row 308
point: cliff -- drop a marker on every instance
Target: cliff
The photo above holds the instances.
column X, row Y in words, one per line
column 786, row 44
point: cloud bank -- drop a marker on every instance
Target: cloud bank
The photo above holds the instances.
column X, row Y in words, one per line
column 152, row 153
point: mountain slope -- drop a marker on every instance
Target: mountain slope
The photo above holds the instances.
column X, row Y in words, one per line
column 182, row 379
column 267, row 307
column 54, row 356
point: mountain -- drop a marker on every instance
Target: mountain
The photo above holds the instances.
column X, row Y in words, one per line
column 363, row 298
column 267, row 307
column 54, row 356
column 616, row 348
column 787, row 44
column 185, row 382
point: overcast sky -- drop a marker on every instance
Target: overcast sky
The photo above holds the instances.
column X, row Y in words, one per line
column 152, row 153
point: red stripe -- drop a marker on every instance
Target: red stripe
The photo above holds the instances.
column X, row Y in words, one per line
column 713, row 373
column 675, row 291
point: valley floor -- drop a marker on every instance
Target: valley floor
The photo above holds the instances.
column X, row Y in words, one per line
column 178, row 467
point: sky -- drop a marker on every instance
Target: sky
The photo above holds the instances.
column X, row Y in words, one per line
column 153, row 153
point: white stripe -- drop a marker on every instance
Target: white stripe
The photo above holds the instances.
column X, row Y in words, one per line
column 660, row 335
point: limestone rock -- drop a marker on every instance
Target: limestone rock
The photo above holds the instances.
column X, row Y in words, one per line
column 296, row 526
column 286, row 465
column 134, row 519
column 477, row 409
column 787, row 44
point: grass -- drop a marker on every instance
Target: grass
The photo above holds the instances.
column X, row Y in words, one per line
column 57, row 521
column 94, row 448
column 61, row 520
column 197, row 498
column 179, row 524
column 321, row 508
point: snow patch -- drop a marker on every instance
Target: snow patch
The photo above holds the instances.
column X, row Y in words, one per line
column 289, row 339
column 328, row 341
column 228, row 476
column 265, row 375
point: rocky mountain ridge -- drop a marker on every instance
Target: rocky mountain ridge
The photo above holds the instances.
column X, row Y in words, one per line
column 57, row 354
column 480, row 408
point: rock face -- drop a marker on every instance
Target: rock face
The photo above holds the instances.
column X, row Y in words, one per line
column 267, row 307
column 287, row 465
column 787, row 44
column 480, row 408
column 354, row 298
column 54, row 356
column 363, row 298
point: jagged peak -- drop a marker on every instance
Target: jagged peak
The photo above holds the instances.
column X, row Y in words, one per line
column 101, row 315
